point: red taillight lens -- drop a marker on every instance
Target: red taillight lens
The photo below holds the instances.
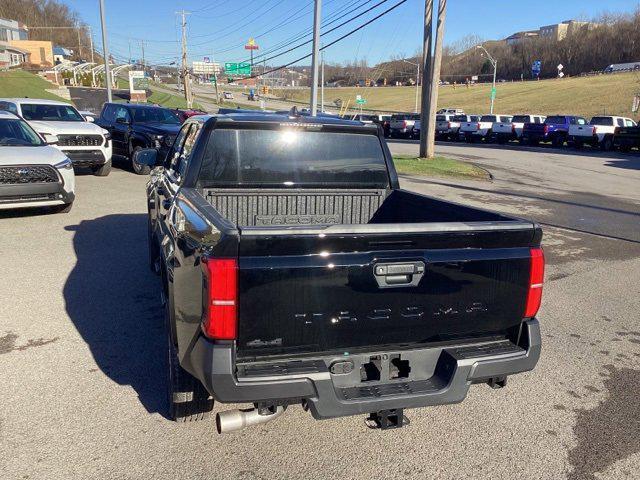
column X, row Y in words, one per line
column 536, row 279
column 221, row 313
column 448, row 124
column 404, row 124
column 546, row 128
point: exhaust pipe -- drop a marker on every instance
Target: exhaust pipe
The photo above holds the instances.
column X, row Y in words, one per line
column 234, row 420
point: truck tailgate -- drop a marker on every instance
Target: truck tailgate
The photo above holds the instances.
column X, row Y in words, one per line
column 354, row 287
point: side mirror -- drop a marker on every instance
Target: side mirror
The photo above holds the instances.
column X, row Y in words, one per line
column 147, row 156
column 51, row 139
column 89, row 118
column 122, row 121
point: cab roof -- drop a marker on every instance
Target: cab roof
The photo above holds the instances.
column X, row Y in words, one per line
column 278, row 118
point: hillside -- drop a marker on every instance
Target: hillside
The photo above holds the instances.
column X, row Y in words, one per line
column 18, row 83
column 585, row 96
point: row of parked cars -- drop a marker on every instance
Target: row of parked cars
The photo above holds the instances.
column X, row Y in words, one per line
column 43, row 141
column 604, row 131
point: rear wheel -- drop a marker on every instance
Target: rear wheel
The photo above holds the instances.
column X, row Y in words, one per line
column 188, row 400
column 137, row 168
column 607, row 144
column 558, row 141
column 102, row 170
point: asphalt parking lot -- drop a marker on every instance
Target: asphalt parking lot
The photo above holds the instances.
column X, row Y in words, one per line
column 82, row 355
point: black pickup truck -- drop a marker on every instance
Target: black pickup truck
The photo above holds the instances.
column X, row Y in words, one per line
column 136, row 126
column 296, row 271
column 627, row 138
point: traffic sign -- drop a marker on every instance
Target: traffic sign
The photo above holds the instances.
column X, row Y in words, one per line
column 493, row 93
column 360, row 100
column 237, row 68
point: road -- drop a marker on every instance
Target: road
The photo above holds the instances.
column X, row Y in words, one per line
column 82, row 359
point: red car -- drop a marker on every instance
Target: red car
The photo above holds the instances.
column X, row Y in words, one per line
column 184, row 114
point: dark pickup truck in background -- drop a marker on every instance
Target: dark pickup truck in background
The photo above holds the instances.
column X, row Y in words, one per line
column 555, row 129
column 137, row 126
column 296, row 271
column 627, row 138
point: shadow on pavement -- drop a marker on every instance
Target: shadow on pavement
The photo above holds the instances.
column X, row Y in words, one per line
column 113, row 301
column 629, row 163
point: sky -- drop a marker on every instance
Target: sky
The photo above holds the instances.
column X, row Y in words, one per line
column 219, row 29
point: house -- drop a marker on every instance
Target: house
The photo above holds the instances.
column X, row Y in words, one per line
column 12, row 30
column 41, row 51
column 61, row 55
column 11, row 56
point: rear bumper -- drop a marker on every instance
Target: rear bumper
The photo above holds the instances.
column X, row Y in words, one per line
column 438, row 375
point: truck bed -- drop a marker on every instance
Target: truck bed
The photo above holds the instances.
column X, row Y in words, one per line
column 308, row 270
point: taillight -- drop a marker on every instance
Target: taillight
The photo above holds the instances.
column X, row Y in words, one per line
column 477, row 126
column 546, row 129
column 448, row 124
column 536, row 279
column 221, row 312
column 404, row 124
column 513, row 128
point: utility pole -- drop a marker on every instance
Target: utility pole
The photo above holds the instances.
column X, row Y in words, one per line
column 322, row 82
column 425, row 107
column 79, row 43
column 186, row 80
column 314, row 58
column 435, row 80
column 142, row 48
column 93, row 73
column 105, row 52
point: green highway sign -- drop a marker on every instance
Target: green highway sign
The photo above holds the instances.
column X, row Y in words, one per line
column 360, row 100
column 493, row 93
column 237, row 68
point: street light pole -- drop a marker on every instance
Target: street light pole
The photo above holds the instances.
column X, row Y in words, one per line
column 105, row 53
column 417, row 65
column 494, row 62
column 314, row 58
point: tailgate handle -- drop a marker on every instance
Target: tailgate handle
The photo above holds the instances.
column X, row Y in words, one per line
column 400, row 274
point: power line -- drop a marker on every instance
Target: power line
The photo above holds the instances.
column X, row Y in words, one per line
column 334, row 42
column 332, row 18
column 327, row 32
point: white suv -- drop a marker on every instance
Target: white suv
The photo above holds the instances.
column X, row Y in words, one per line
column 85, row 143
column 32, row 173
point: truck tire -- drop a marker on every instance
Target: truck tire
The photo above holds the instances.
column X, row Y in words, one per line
column 102, row 170
column 137, row 168
column 558, row 141
column 188, row 400
column 607, row 143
